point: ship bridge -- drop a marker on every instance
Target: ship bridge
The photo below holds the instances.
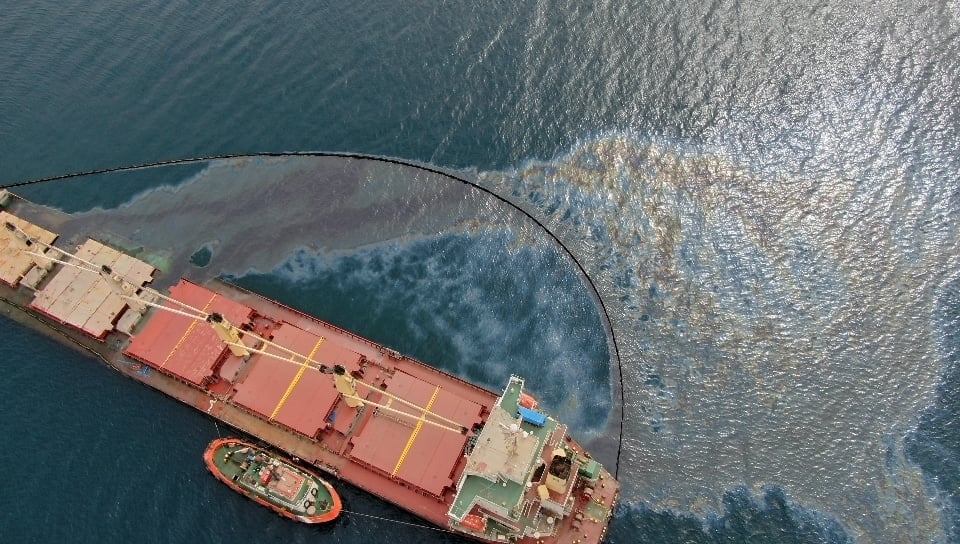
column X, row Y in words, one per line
column 505, row 455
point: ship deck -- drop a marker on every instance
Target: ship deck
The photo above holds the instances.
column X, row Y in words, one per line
column 16, row 264
column 275, row 392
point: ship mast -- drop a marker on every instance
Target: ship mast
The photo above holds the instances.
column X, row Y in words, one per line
column 230, row 334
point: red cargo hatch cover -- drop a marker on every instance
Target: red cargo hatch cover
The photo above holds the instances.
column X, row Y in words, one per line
column 279, row 390
column 182, row 346
column 423, row 458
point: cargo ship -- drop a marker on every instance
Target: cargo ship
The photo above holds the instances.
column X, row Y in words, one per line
column 272, row 481
column 490, row 466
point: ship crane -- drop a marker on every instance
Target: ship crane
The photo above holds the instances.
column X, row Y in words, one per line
column 120, row 286
column 347, row 386
column 232, row 335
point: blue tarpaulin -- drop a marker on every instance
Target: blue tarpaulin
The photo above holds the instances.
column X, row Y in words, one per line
column 534, row 418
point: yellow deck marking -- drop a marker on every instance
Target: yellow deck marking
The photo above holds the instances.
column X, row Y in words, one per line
column 416, row 431
column 303, row 368
column 187, row 332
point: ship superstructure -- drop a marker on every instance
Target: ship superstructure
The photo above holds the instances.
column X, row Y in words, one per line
column 525, row 476
column 491, row 467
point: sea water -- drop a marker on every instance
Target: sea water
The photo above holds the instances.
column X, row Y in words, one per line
column 764, row 194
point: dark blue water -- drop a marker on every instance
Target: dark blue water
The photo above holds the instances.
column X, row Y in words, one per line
column 765, row 193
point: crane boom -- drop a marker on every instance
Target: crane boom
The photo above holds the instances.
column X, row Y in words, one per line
column 230, row 334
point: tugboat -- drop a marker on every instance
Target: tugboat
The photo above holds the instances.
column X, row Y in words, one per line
column 272, row 481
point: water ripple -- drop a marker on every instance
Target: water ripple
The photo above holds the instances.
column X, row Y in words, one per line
column 781, row 328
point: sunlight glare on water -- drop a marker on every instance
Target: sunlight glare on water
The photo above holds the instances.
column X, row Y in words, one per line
column 780, row 331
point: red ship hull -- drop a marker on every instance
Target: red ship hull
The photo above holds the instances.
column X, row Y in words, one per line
column 385, row 447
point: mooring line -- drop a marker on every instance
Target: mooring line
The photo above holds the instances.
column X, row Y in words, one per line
column 418, row 525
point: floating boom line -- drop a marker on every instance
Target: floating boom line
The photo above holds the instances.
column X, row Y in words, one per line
column 608, row 323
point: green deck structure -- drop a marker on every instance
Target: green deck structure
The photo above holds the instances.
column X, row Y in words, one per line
column 503, row 459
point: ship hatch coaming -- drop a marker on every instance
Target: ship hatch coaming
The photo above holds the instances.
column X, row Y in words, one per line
column 15, row 263
column 80, row 296
column 421, row 456
column 181, row 345
column 288, row 393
